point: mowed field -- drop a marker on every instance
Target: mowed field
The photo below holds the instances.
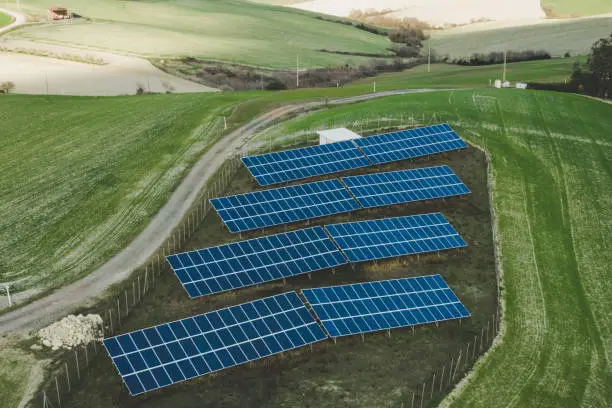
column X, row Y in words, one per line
column 554, row 36
column 455, row 76
column 567, row 8
column 231, row 30
column 80, row 176
column 552, row 192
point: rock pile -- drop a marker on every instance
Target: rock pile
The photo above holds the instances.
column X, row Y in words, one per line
column 72, row 331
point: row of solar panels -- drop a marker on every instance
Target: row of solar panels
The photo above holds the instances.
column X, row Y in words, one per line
column 267, row 208
column 330, row 158
column 251, row 262
column 173, row 352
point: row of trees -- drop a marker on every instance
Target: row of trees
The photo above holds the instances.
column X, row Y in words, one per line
column 594, row 81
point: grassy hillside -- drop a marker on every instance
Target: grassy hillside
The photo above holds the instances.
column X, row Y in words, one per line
column 5, row 19
column 455, row 76
column 79, row 176
column 567, row 8
column 229, row 30
column 556, row 37
column 551, row 156
column 82, row 192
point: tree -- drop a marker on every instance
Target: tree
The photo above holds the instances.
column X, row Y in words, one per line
column 600, row 65
column 412, row 37
column 7, row 86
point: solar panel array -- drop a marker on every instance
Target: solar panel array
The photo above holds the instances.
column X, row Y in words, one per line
column 255, row 261
column 173, row 352
column 283, row 205
column 389, row 237
column 306, row 162
column 406, row 144
column 379, row 189
column 372, row 306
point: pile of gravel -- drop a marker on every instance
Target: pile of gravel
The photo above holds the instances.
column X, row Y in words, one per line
column 72, row 331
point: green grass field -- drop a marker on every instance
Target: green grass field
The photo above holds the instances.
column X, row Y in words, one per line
column 455, row 76
column 88, row 173
column 566, row 8
column 551, row 156
column 5, row 20
column 556, row 37
column 104, row 175
column 231, row 30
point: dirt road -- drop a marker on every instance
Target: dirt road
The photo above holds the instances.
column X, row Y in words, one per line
column 19, row 20
column 118, row 268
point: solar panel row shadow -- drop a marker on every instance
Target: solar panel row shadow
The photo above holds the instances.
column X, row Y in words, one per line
column 283, row 205
column 173, row 352
column 404, row 186
column 390, row 237
column 251, row 262
column 306, row 162
column 406, row 144
column 367, row 307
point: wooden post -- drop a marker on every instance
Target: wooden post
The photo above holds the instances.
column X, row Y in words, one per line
column 146, row 279
column 138, row 277
column 59, row 400
column 481, row 337
column 458, row 364
column 133, row 293
column 110, row 319
column 86, row 356
column 422, row 395
column 127, row 309
column 433, row 383
column 412, row 405
column 76, row 358
column 450, row 370
column 442, row 378
column 118, row 313
column 67, row 375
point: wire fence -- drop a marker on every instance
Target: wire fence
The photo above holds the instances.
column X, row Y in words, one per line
column 72, row 366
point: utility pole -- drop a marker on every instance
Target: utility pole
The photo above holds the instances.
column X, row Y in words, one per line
column 505, row 59
column 297, row 70
column 429, row 54
column 374, row 86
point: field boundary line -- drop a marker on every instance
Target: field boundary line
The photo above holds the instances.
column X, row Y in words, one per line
column 499, row 268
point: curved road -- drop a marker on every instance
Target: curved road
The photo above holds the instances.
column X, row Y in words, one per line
column 118, row 268
column 20, row 19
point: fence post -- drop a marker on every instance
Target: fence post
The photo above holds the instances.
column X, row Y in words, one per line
column 442, row 377
column 118, row 313
column 433, row 383
column 110, row 319
column 127, row 309
column 422, row 395
column 450, row 370
column 59, row 400
column 67, row 375
column 138, row 277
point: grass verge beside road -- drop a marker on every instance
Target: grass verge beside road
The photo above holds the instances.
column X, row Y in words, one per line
column 5, row 19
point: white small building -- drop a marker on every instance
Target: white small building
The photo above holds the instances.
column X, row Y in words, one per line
column 521, row 85
column 498, row 83
column 336, row 135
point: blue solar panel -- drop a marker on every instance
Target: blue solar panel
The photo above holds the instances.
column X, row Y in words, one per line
column 367, row 307
column 306, row 162
column 173, row 352
column 255, row 261
column 389, row 237
column 404, row 186
column 283, row 205
column 406, row 144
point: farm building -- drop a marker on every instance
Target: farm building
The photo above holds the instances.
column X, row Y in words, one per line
column 57, row 13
